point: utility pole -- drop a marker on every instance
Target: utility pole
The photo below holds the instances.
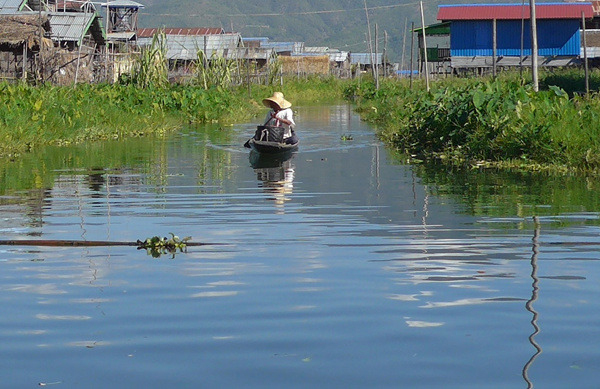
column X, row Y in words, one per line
column 534, row 46
column 403, row 45
column 494, row 46
column 412, row 49
column 370, row 41
column 424, row 47
column 585, row 58
column 376, row 57
column 107, row 44
column 41, row 44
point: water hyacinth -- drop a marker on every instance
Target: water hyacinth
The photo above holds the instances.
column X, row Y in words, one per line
column 485, row 120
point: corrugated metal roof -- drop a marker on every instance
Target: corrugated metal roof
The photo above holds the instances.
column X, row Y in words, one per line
column 123, row 4
column 438, row 29
column 121, row 36
column 514, row 11
column 186, row 47
column 340, row 56
column 252, row 53
column 149, row 32
column 292, row 47
column 258, row 39
column 279, row 46
column 10, row 6
column 365, row 58
column 70, row 26
column 316, row 49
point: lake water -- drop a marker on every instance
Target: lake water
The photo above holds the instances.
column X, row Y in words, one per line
column 339, row 267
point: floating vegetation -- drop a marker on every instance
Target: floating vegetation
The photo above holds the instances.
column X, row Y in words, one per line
column 157, row 246
column 467, row 121
column 345, row 137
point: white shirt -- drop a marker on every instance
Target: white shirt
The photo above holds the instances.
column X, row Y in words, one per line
column 286, row 114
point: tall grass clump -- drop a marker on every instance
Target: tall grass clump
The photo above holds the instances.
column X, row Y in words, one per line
column 215, row 71
column 151, row 68
column 485, row 120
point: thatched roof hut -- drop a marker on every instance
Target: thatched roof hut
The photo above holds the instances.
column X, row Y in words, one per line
column 17, row 30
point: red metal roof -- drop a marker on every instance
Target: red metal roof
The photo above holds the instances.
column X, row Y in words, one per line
column 68, row 5
column 149, row 32
column 514, row 11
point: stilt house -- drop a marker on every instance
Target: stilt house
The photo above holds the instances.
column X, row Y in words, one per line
column 482, row 35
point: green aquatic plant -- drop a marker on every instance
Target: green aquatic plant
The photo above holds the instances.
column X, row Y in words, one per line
column 483, row 119
column 345, row 137
column 157, row 246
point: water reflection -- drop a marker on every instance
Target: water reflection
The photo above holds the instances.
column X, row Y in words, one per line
column 276, row 176
column 529, row 304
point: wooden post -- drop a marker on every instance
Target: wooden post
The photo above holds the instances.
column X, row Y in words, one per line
column 376, row 64
column 412, row 50
column 585, row 60
column 370, row 42
column 24, row 62
column 522, row 39
column 424, row 47
column 106, row 43
column 403, row 45
column 384, row 57
column 534, row 46
column 41, row 43
column 248, row 75
column 494, row 47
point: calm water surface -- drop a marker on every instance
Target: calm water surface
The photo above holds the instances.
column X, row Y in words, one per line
column 338, row 267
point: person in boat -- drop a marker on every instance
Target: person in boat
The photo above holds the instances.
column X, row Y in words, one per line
column 282, row 115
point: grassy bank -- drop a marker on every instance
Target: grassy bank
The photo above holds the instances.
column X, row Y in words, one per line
column 484, row 121
column 34, row 116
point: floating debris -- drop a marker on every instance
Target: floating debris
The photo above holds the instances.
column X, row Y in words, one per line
column 157, row 246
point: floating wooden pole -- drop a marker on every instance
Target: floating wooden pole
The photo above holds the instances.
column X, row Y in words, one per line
column 82, row 243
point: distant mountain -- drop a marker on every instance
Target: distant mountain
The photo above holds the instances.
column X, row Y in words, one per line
column 340, row 24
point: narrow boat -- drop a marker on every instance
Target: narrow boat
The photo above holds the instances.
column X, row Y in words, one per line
column 269, row 140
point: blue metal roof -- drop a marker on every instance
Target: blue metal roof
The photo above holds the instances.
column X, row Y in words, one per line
column 365, row 58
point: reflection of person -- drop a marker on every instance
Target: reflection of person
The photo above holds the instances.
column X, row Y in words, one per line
column 277, row 181
column 281, row 115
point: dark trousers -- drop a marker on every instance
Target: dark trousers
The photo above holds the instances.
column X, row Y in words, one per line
column 292, row 139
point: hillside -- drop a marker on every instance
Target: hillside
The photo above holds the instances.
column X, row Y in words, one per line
column 334, row 23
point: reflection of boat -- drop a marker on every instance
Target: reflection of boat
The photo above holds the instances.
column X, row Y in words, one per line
column 269, row 161
column 269, row 140
column 276, row 174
